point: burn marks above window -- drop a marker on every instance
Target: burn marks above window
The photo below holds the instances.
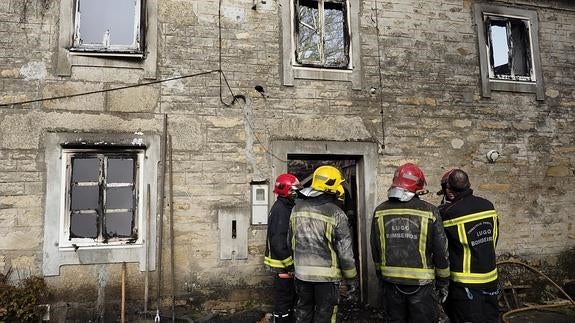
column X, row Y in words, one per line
column 322, row 33
column 509, row 50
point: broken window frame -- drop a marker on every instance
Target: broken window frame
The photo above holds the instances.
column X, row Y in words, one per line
column 489, row 82
column 102, row 239
column 507, row 21
column 103, row 49
column 321, row 30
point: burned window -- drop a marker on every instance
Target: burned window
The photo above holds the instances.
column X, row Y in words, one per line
column 508, row 50
column 102, row 196
column 107, row 26
column 509, row 44
column 322, row 33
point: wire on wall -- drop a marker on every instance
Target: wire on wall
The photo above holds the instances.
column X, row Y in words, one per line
column 381, row 112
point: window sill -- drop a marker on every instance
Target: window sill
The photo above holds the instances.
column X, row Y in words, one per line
column 322, row 74
column 67, row 248
column 89, row 52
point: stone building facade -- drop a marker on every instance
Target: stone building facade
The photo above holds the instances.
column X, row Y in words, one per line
column 174, row 136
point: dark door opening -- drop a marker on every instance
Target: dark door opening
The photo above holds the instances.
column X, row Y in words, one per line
column 302, row 166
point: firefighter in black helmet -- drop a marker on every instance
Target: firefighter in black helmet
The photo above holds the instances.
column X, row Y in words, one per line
column 472, row 229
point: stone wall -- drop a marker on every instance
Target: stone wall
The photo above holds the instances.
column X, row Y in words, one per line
column 420, row 101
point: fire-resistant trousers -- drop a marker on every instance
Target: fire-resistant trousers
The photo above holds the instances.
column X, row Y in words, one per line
column 317, row 302
column 472, row 305
column 409, row 304
column 284, row 295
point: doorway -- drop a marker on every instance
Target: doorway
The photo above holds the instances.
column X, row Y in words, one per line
column 358, row 163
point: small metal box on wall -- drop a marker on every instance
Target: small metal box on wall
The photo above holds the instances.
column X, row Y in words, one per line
column 260, row 201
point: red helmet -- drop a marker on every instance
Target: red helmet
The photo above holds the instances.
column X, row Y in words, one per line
column 286, row 185
column 409, row 177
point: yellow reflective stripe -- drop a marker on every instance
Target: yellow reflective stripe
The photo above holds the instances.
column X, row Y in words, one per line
column 288, row 261
column 470, row 217
column 470, row 278
column 316, row 216
column 406, row 272
column 319, row 271
column 381, row 226
column 278, row 263
column 328, row 235
column 349, row 273
column 423, row 214
column 423, row 242
column 443, row 272
column 334, row 314
column 465, row 245
column 495, row 231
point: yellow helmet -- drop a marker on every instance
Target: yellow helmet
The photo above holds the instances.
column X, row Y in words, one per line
column 328, row 179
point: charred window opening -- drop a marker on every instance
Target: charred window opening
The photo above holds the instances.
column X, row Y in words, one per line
column 322, row 33
column 102, row 195
column 509, row 43
column 108, row 26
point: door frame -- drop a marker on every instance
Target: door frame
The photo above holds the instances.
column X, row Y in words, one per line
column 367, row 160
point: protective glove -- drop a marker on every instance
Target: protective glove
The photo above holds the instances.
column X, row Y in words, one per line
column 352, row 289
column 442, row 287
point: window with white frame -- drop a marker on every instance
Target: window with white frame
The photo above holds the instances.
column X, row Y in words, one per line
column 107, row 26
column 118, row 34
column 102, row 197
column 321, row 41
column 509, row 50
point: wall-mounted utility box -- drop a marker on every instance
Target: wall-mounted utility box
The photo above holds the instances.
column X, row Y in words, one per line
column 260, row 202
column 233, row 224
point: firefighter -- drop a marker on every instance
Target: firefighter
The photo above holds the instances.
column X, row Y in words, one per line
column 409, row 249
column 471, row 226
column 321, row 242
column 278, row 256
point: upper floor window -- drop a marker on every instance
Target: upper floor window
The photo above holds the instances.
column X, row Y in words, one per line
column 322, row 33
column 320, row 40
column 107, row 25
column 509, row 50
column 119, row 34
column 102, row 196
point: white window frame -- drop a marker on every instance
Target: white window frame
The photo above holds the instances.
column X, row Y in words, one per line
column 489, row 81
column 58, row 250
column 291, row 70
column 133, row 50
column 69, row 55
column 65, row 240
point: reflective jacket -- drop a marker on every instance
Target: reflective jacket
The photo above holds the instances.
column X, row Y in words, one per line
column 471, row 226
column 278, row 255
column 321, row 241
column 408, row 243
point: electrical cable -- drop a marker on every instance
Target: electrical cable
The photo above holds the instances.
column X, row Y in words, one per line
column 380, row 79
column 108, row 90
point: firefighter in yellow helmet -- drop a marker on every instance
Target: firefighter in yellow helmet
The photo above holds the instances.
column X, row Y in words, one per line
column 321, row 242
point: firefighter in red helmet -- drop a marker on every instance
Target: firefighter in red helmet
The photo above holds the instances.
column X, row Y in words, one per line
column 409, row 249
column 278, row 255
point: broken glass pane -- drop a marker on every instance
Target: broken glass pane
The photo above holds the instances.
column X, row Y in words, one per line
column 119, row 224
column 120, row 170
column 107, row 22
column 335, row 38
column 308, row 37
column 500, row 48
column 85, row 169
column 84, row 198
column 520, row 53
column 83, row 225
column 119, row 198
